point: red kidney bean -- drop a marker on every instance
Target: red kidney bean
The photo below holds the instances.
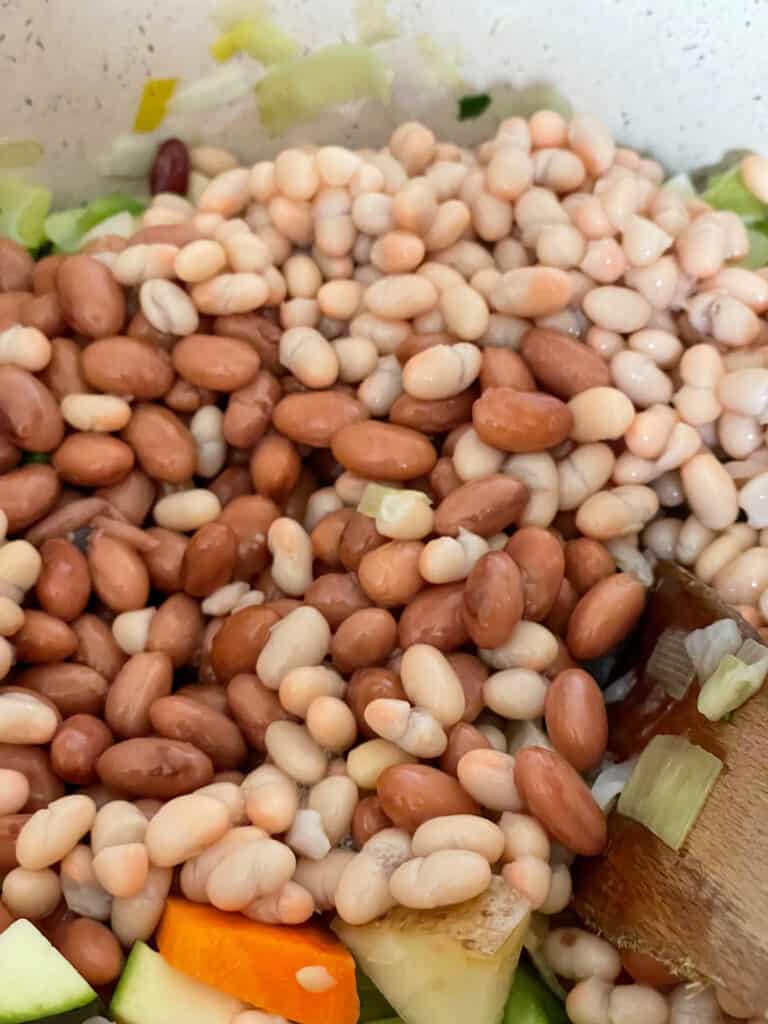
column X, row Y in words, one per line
column 170, row 168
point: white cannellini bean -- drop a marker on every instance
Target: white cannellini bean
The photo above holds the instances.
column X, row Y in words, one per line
column 431, row 683
column 415, row 730
column 489, row 777
column 440, row 879
column 51, row 833
column 301, row 638
column 271, row 799
column 362, row 892
column 459, row 832
column 292, row 556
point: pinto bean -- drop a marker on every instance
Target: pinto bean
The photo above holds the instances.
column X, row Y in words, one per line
column 411, row 794
column 164, row 447
column 336, row 596
column 493, row 599
column 209, row 559
column 433, row 416
column 74, row 689
column 250, row 409
column 383, row 451
column 314, row 418
column 76, row 747
column 177, row 629
column 26, row 494
column 165, row 561
column 178, row 718
column 34, row 419
column 119, row 575
column 605, row 615
column 97, row 647
column 241, row 639
column 540, row 558
column 216, row 362
column 92, row 302
column 364, row 638
column 435, row 617
column 145, row 678
column 35, row 764
column 93, row 460
column 125, row 366
column 358, row 538
column 563, row 365
column 521, row 421
column 43, row 638
column 63, row 587
column 485, row 506
column 154, row 767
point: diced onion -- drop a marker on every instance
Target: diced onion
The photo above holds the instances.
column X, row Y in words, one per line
column 213, row 90
column 610, row 783
column 397, row 510
column 631, row 560
column 153, row 103
column 374, row 24
column 707, row 647
column 227, row 13
column 121, row 224
column 735, row 680
column 620, row 688
column 19, row 153
column 443, row 61
column 669, row 786
column 129, row 156
column 373, row 497
column 299, row 90
column 670, row 664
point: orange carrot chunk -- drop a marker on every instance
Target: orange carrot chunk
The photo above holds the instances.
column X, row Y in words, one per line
column 264, row 965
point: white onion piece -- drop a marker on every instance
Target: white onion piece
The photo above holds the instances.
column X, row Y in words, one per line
column 707, row 647
column 222, row 86
column 609, row 784
column 122, row 224
column 630, row 560
column 130, row 156
column 620, row 688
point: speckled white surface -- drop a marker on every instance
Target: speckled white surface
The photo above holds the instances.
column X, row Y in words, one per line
column 684, row 78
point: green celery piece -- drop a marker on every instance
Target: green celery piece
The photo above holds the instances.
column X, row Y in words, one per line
column 107, row 206
column 727, row 191
column 299, row 90
column 531, row 1002
column 757, row 256
column 63, row 228
column 374, row 1008
column 23, row 209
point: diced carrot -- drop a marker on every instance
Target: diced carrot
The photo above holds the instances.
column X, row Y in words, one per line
column 258, row 963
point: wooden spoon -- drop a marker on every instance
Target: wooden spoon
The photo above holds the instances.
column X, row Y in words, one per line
column 701, row 911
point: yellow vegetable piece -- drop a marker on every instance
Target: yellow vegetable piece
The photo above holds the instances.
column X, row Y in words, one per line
column 154, row 100
column 260, row 38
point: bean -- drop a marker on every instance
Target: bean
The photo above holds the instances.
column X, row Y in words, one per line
column 92, row 302
column 484, row 507
column 440, row 879
column 143, row 679
column 587, row 562
column 541, row 562
column 605, row 615
column 93, row 460
column 134, row 918
column 183, row 827
column 301, row 686
column 532, row 292
column 459, row 832
column 255, row 869
column 411, row 794
column 10, row 826
column 164, row 447
column 577, row 724
column 91, row 949
column 576, row 954
column 516, row 693
column 31, row 894
column 26, row 494
column 435, row 617
column 383, row 451
column 556, row 795
column 14, row 791
column 368, row 819
column 562, row 365
column 119, row 575
column 368, row 684
column 178, row 718
column 43, row 638
column 362, row 891
column 209, row 559
column 366, row 637
column 301, row 638
column 493, row 599
column 122, row 869
column 519, row 421
column 154, row 767
column 50, row 834
column 530, row 645
column 34, row 422
column 34, row 764
column 368, row 761
column 488, row 777
column 176, row 629
column 76, row 747
column 97, row 648
column 125, row 366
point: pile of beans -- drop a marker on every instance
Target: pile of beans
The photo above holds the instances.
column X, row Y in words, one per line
column 218, row 675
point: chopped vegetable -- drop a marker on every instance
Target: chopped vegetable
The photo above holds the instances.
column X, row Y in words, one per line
column 258, row 962
column 227, row 13
column 473, row 106
column 23, row 209
column 530, row 1002
column 737, row 678
column 374, row 24
column 620, row 688
column 757, row 256
column 37, row 457
column 450, row 964
column 534, row 947
column 670, row 664
column 669, row 787
column 220, row 87
column 373, row 1005
column 610, row 783
column 260, row 38
column 122, row 224
column 19, row 153
column 379, row 502
column 67, row 228
column 130, row 156
column 443, row 61
column 727, row 191
column 707, row 647
column 153, row 104
column 299, row 90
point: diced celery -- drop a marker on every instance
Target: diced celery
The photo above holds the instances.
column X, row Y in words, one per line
column 153, row 103
column 374, row 24
column 227, row 13
column 63, row 228
column 107, row 206
column 295, row 92
column 733, row 683
column 757, row 256
column 727, row 191
column 530, row 1002
column 23, row 209
column 669, row 787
